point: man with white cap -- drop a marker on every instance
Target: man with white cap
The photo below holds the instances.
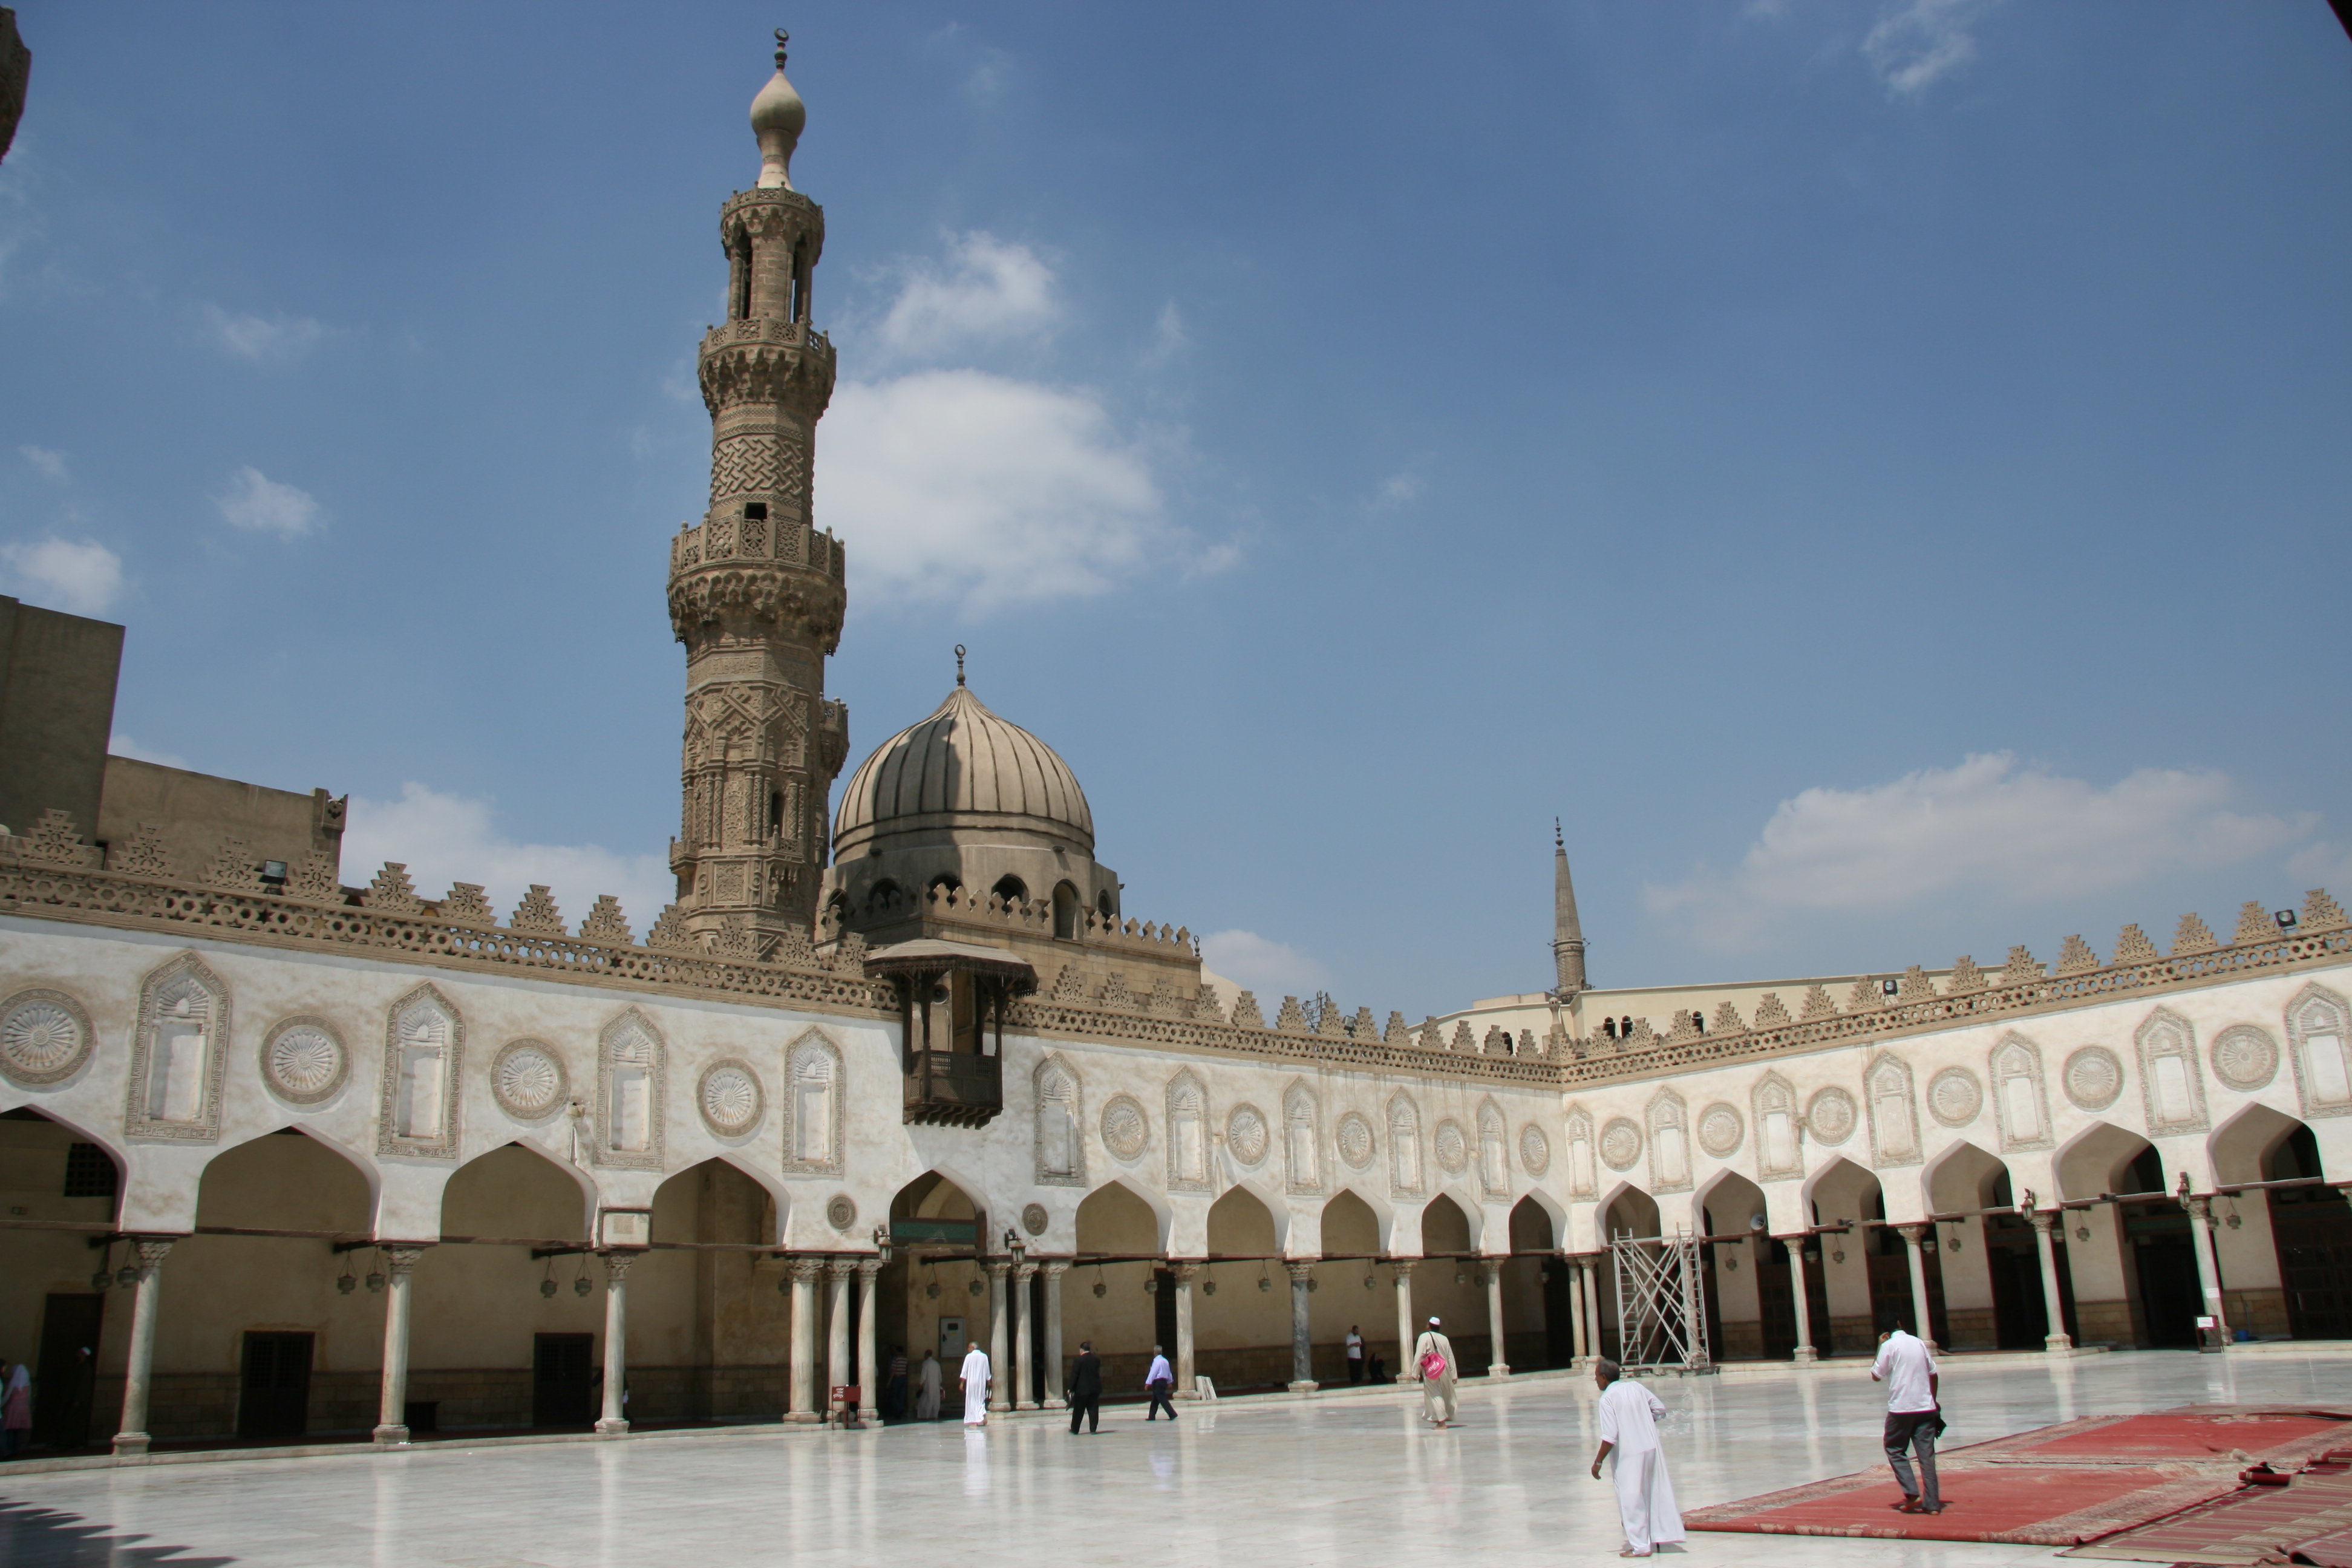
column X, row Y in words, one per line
column 1432, row 1364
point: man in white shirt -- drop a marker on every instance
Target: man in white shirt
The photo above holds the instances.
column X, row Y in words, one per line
column 1160, row 1382
column 1628, row 1440
column 1908, row 1369
column 974, row 1379
column 1355, row 1355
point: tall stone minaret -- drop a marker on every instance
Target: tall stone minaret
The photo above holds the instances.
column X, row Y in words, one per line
column 755, row 591
column 1566, row 935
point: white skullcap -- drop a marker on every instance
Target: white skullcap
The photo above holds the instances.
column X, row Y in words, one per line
column 1433, row 1323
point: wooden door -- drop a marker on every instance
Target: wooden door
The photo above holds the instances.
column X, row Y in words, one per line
column 274, row 1396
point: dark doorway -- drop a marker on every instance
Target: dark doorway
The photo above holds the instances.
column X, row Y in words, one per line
column 67, row 1374
column 563, row 1380
column 1560, row 1326
column 1890, row 1284
column 1163, row 1313
column 1776, row 1300
column 2313, row 1228
column 274, row 1400
column 2020, row 1313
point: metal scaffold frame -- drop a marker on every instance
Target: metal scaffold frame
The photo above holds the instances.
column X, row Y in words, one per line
column 1661, row 1304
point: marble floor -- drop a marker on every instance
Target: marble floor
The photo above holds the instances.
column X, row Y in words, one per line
column 1353, row 1481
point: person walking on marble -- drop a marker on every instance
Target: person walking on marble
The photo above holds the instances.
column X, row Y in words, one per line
column 1086, row 1389
column 926, row 1392
column 1914, row 1420
column 1629, row 1441
column 1433, row 1364
column 1160, row 1382
column 972, row 1378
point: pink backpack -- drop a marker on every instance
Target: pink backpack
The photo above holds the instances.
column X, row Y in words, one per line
column 1432, row 1365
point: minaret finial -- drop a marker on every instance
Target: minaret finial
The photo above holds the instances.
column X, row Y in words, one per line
column 1557, row 842
column 782, row 38
column 959, row 664
column 778, row 118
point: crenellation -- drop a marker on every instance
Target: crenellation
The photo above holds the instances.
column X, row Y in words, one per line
column 393, row 892
column 2074, row 957
column 606, row 924
column 536, row 914
column 466, row 905
column 1965, row 977
column 2132, row 946
column 1728, row 1020
column 1915, row 986
column 2320, row 912
column 2254, row 924
column 2021, row 969
column 2193, row 936
column 1292, row 1018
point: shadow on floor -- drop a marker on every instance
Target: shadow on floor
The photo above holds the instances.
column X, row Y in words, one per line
column 33, row 1536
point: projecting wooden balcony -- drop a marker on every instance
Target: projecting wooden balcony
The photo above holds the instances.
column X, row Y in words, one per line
column 953, row 1088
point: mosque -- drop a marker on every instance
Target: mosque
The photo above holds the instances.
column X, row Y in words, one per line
column 294, row 1148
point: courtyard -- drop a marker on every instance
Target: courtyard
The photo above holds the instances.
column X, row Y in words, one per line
column 1353, row 1478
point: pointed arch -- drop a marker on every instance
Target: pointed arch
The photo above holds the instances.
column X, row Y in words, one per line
column 1893, row 1111
column 1626, row 1209
column 2096, row 1160
column 177, row 1053
column 424, row 1054
column 717, row 1200
column 1668, row 1119
column 519, row 1189
column 1448, row 1227
column 632, row 1093
column 1059, row 1144
column 2171, row 1076
column 2021, row 1098
column 1961, row 1178
column 1121, row 1216
column 1188, row 1133
column 813, row 1092
column 106, row 1142
column 1731, row 1199
column 2241, row 1146
column 1241, row 1223
column 1354, row 1224
column 1302, row 1138
column 287, row 1179
column 1406, row 1174
column 1778, row 1155
column 2319, row 1042
column 1537, row 1224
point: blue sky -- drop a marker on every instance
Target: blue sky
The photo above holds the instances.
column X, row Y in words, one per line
column 1877, row 471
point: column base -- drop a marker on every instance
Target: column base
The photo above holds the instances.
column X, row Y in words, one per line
column 1028, row 1405
column 1054, row 1402
column 1806, row 1355
column 130, row 1445
column 1498, row 1370
column 802, row 1418
column 997, row 1407
column 619, row 1429
column 2057, row 1343
column 1307, row 1386
column 390, row 1436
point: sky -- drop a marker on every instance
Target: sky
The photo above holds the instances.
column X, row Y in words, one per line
column 1875, row 471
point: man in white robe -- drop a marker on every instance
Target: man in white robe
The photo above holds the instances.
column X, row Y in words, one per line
column 927, row 1398
column 1433, row 1364
column 1629, row 1441
column 973, row 1380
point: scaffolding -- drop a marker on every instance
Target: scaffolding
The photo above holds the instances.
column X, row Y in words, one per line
column 1661, row 1304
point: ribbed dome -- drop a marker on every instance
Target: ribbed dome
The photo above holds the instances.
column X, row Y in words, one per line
column 960, row 768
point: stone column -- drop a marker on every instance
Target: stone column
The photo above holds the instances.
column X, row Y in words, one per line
column 2043, row 1222
column 1575, row 1310
column 1591, row 1268
column 1054, row 1269
column 836, row 1339
column 615, row 1422
column 1302, row 1342
column 806, row 1272
column 2209, row 1272
column 870, row 1375
column 999, row 1360
column 1805, row 1351
column 1499, row 1361
column 1025, row 1396
column 140, row 1373
column 1405, row 1336
column 1922, row 1324
column 391, row 1409
column 1183, row 1272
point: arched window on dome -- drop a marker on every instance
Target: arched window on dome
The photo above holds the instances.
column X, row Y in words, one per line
column 884, row 894
column 1066, row 910
column 1012, row 891
column 1103, row 906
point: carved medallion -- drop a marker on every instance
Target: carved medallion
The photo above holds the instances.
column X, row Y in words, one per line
column 841, row 1211
column 1621, row 1143
column 1720, row 1128
column 731, row 1097
column 2245, row 1057
column 1355, row 1140
column 527, row 1079
column 1829, row 1116
column 303, row 1061
column 1245, row 1134
column 45, row 1038
column 1955, row 1097
column 1125, row 1131
column 1535, row 1150
column 2094, row 1077
column 1033, row 1218
column 1453, row 1148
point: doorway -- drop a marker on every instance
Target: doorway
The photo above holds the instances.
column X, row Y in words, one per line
column 1776, row 1300
column 274, row 1399
column 67, row 1374
column 563, row 1380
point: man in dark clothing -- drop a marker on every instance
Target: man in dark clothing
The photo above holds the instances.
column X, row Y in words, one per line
column 1086, row 1389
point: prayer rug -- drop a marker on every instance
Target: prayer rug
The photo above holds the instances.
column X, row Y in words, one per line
column 2309, row 1518
column 2056, row 1486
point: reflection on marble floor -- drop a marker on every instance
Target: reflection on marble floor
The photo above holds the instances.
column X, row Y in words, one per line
column 1345, row 1481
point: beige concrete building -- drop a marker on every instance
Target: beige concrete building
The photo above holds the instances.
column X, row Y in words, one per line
column 289, row 1152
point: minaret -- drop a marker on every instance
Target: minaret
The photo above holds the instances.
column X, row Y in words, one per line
column 1566, row 935
column 755, row 591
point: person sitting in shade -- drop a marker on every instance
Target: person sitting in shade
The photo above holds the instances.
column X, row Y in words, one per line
column 973, row 1380
column 1629, row 1441
column 1433, row 1364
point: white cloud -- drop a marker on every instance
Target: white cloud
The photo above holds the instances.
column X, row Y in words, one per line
column 990, row 291
column 1270, row 968
column 279, row 337
column 1989, row 826
column 446, row 839
column 261, row 504
column 1168, row 338
column 2323, row 864
column 1398, row 490
column 1916, row 43
column 122, row 745
column 960, row 487
column 81, row 579
column 52, row 465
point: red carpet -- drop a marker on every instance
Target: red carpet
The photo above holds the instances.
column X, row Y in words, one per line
column 2056, row 1486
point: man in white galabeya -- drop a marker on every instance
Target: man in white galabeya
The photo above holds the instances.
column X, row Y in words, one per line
column 1629, row 1441
column 1432, row 1364
column 973, row 1380
column 1907, row 1367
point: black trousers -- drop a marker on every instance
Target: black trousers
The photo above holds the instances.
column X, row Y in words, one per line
column 1087, row 1406
column 1159, row 1393
column 1355, row 1369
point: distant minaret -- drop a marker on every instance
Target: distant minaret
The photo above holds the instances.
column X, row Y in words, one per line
column 1566, row 935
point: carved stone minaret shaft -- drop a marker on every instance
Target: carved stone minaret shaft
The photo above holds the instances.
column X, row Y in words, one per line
column 1567, row 934
column 755, row 590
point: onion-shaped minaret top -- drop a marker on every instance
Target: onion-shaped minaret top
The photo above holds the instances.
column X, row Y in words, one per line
column 778, row 117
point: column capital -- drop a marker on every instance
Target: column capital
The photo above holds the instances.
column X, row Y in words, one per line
column 1055, row 1268
column 867, row 1268
column 1912, row 1233
column 805, row 1269
column 2042, row 1220
column 616, row 1266
column 1300, row 1269
column 1026, row 1271
column 1183, row 1269
column 2199, row 1206
column 153, row 1249
column 1403, row 1267
column 841, row 1267
column 996, row 1268
column 404, row 1257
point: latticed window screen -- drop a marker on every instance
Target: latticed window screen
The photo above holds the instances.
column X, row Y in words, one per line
column 90, row 1174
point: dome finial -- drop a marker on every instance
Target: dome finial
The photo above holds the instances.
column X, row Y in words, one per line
column 778, row 117
column 959, row 664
